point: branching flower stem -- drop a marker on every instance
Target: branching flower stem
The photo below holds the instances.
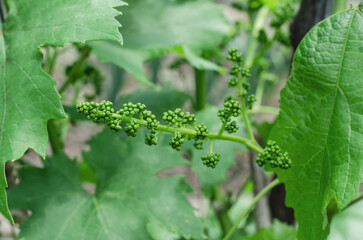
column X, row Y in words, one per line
column 191, row 133
column 247, row 121
column 250, row 206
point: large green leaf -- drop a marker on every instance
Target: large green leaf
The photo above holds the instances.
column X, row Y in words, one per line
column 153, row 28
column 28, row 97
column 130, row 201
column 321, row 119
column 210, row 178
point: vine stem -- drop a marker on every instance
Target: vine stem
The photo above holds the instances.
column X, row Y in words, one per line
column 248, row 63
column 251, row 205
column 191, row 133
column 247, row 121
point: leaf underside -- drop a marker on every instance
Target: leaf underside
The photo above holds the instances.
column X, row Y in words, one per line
column 27, row 94
column 130, row 201
column 321, row 121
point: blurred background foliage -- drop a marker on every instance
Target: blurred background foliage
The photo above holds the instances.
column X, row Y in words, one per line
column 173, row 56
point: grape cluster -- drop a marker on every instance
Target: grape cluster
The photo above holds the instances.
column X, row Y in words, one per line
column 282, row 14
column 177, row 141
column 151, row 138
column 178, row 118
column 234, row 55
column 232, row 108
column 100, row 112
column 130, row 109
column 246, row 72
column 131, row 128
column 211, row 160
column 151, row 122
column 236, row 58
column 232, row 127
column 201, row 133
column 273, row 155
column 251, row 99
column 232, row 82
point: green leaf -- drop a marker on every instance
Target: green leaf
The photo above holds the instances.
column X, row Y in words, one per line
column 277, row 231
column 348, row 224
column 27, row 93
column 320, row 123
column 210, row 178
column 130, row 201
column 153, row 28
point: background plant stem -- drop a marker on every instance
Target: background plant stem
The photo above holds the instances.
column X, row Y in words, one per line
column 221, row 210
column 200, row 89
column 250, row 206
column 86, row 52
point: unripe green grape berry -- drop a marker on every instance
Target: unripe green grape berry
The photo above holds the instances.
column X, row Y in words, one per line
column 177, row 141
column 251, row 99
column 232, row 127
column 246, row 72
column 211, row 160
column 131, row 128
column 151, row 138
column 273, row 155
column 201, row 132
column 232, row 82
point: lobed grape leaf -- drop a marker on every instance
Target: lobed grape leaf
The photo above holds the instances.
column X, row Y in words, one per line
column 27, row 93
column 210, row 178
column 130, row 201
column 153, row 28
column 321, row 119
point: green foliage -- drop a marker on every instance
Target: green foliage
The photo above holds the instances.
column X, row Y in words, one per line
column 277, row 231
column 24, row 122
column 153, row 28
column 320, row 123
column 348, row 223
column 126, row 201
